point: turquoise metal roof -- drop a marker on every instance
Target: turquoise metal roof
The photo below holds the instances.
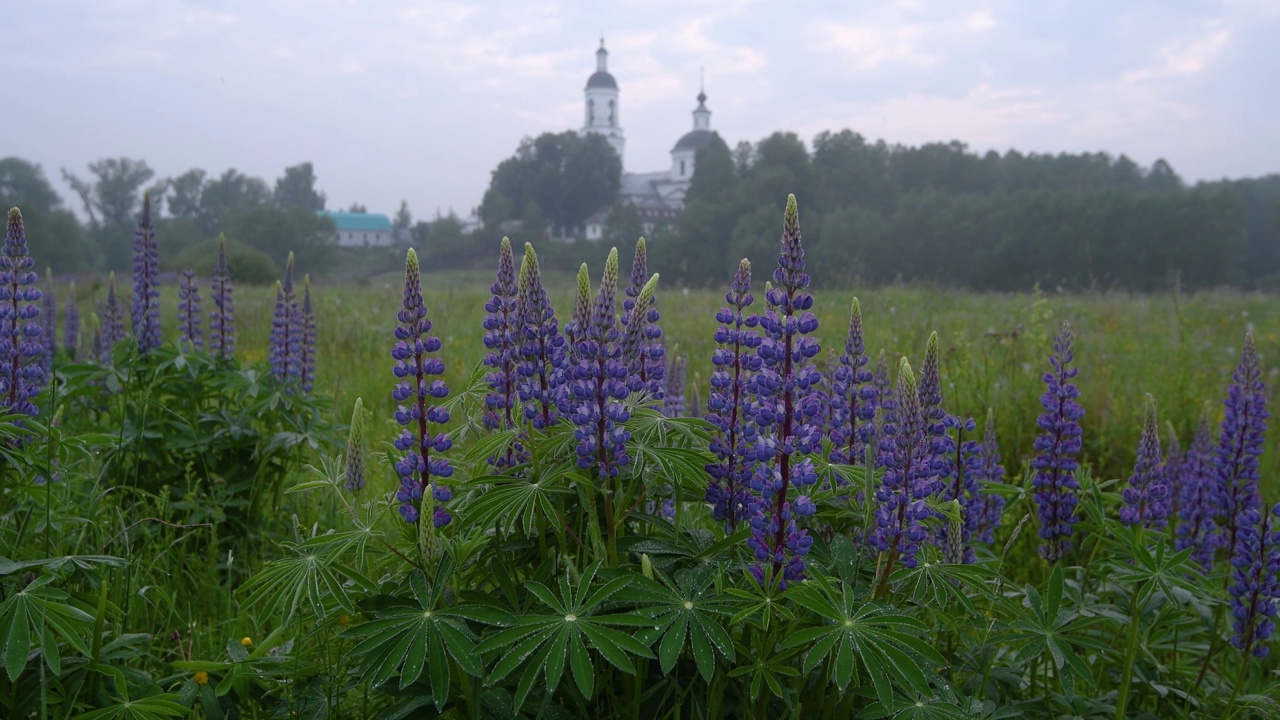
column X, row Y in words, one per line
column 358, row 221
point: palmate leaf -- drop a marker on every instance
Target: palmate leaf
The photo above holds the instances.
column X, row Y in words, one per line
column 887, row 645
column 938, row 586
column 1058, row 631
column 514, row 503
column 38, row 615
column 557, row 631
column 312, row 577
column 155, row 707
column 688, row 614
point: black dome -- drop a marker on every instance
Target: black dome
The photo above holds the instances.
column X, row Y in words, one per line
column 601, row 79
column 693, row 140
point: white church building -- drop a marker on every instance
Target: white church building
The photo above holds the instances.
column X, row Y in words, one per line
column 658, row 197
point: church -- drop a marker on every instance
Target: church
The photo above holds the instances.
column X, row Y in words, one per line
column 658, row 197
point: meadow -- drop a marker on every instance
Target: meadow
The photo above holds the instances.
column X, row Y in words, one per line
column 185, row 535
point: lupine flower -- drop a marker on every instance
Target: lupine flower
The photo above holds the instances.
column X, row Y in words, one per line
column 884, row 390
column 189, row 313
column 599, row 384
column 853, row 397
column 575, row 331
column 146, row 291
column 21, row 376
column 962, row 485
column 1055, row 463
column 1146, row 500
column 354, row 477
column 1173, row 472
column 48, row 324
column 307, row 349
column 785, row 414
column 673, row 391
column 938, row 442
column 112, row 321
column 501, row 328
column 415, row 366
column 907, row 481
column 1244, row 427
column 222, row 321
column 286, row 338
column 735, row 360
column 989, row 469
column 1255, row 575
column 543, row 363
column 71, row 325
column 643, row 354
column 1201, row 495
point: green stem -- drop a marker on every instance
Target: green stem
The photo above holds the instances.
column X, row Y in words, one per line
column 1130, row 653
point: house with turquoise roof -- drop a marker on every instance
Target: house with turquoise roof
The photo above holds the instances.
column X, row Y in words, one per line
column 362, row 229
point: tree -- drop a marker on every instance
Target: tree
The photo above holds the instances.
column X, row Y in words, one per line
column 357, row 208
column 566, row 175
column 112, row 200
column 22, row 184
column 403, row 219
column 297, row 189
column 184, row 194
column 232, row 193
column 276, row 232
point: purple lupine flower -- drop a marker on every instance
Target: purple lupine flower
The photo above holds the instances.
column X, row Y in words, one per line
column 1255, row 575
column 1055, row 463
column 48, row 324
column 1244, row 427
column 21, row 376
column 189, row 313
column 543, row 362
column 853, row 397
column 1173, row 472
column 734, row 361
column 884, row 390
column 599, row 386
column 696, row 408
column 71, row 325
column 222, row 321
column 354, row 475
column 673, row 387
column 415, row 365
column 1201, row 495
column 1146, row 500
column 962, row 485
column 575, row 331
column 501, row 330
column 112, row 321
column 146, row 290
column 938, row 441
column 285, row 328
column 784, row 413
column 907, row 481
column 307, row 348
column 990, row 470
column 642, row 350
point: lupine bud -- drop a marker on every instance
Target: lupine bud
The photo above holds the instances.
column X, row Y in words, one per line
column 673, row 393
column 146, row 290
column 1201, row 495
column 1244, row 427
column 642, row 350
column 307, row 349
column 938, row 443
column 415, row 365
column 989, row 469
column 884, row 390
column 21, row 376
column 112, row 321
column 501, row 327
column 1059, row 442
column 543, row 361
column 189, row 313
column 222, row 321
column 1146, row 499
column 71, row 325
column 355, row 450
column 575, row 330
column 962, row 485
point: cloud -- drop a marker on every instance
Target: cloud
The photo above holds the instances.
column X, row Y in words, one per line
column 1182, row 58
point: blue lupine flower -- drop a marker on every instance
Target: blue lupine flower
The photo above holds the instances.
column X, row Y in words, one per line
column 1244, row 427
column 21, row 376
column 963, row 486
column 188, row 313
column 222, row 320
column 415, row 365
column 1146, row 499
column 642, row 350
column 1201, row 495
column 784, row 414
column 673, row 387
column 543, row 360
column 938, row 442
column 853, row 398
column 1055, row 463
column 112, row 321
column 907, row 480
column 884, row 390
column 1255, row 586
column 286, row 324
column 989, row 469
column 501, row 335
column 146, row 290
column 734, row 361
column 307, row 348
column 71, row 325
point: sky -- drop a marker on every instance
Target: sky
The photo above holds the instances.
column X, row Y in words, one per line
column 421, row 100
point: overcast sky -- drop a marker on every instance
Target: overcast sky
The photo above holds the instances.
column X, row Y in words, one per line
column 421, row 100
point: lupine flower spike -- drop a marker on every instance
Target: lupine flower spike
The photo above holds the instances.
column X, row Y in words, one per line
column 146, row 289
column 938, row 443
column 734, row 361
column 189, row 313
column 1255, row 575
column 1146, row 499
column 71, row 325
column 962, row 485
column 222, row 321
column 673, row 405
column 285, row 326
column 543, row 363
column 575, row 330
column 853, row 397
column 112, row 321
column 907, row 481
column 48, row 324
column 785, row 415
column 1055, row 464
column 415, row 366
column 1201, row 495
column 21, row 376
column 501, row 326
column 1244, row 427
column 354, row 477
column 989, row 470
column 884, row 390
column 643, row 353
column 307, row 348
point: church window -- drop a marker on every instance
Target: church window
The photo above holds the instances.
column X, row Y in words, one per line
column 591, row 111
column 611, row 108
column 681, row 168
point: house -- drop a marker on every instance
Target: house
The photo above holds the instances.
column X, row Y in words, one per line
column 362, row 229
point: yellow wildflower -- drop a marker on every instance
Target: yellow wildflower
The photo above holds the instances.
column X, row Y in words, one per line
column 246, row 641
column 202, row 677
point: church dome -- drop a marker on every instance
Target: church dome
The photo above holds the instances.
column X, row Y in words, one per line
column 693, row 140
column 602, row 79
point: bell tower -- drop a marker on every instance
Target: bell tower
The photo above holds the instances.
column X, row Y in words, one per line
column 601, row 106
